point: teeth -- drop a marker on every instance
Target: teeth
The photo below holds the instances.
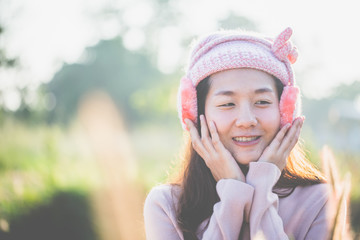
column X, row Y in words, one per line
column 244, row 139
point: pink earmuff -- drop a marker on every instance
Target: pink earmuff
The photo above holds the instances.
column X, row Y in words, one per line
column 287, row 104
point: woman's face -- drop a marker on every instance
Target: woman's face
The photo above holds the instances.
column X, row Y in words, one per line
column 244, row 105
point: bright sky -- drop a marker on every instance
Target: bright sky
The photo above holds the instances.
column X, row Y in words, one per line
column 44, row 34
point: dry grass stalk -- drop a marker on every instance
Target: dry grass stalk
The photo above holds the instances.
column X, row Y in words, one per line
column 118, row 202
column 339, row 196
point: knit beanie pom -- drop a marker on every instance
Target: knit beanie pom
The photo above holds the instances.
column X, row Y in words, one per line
column 283, row 48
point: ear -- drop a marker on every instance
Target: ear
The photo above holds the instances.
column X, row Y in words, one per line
column 187, row 101
column 288, row 104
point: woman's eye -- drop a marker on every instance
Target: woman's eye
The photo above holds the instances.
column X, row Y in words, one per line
column 263, row 102
column 226, row 105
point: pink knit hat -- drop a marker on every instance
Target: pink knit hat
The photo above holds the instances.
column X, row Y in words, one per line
column 234, row 49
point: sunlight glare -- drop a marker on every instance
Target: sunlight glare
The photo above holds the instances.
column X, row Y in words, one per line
column 134, row 39
column 11, row 99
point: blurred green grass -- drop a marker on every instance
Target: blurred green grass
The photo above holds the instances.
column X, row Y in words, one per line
column 36, row 164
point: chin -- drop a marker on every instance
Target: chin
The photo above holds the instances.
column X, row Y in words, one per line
column 246, row 161
column 246, row 157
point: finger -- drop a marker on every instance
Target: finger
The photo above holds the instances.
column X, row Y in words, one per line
column 205, row 136
column 195, row 138
column 204, row 127
column 215, row 137
column 286, row 150
column 295, row 139
column 276, row 142
column 292, row 136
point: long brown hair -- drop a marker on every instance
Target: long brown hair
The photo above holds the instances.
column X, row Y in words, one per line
column 198, row 186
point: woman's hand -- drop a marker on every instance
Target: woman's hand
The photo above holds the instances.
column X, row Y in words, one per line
column 280, row 147
column 217, row 158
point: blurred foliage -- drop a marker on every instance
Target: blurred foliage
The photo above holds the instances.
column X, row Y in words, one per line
column 131, row 78
column 5, row 61
column 37, row 188
column 65, row 216
column 334, row 120
column 108, row 66
column 234, row 21
column 347, row 91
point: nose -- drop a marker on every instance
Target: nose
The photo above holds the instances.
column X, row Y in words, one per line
column 245, row 117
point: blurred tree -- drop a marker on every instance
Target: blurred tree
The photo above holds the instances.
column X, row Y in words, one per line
column 108, row 66
column 234, row 21
column 130, row 77
column 347, row 91
column 4, row 60
column 335, row 119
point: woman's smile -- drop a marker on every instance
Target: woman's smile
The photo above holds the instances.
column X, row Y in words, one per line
column 246, row 141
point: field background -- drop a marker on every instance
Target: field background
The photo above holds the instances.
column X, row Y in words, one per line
column 88, row 119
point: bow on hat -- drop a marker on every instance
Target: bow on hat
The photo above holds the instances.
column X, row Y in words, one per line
column 283, row 48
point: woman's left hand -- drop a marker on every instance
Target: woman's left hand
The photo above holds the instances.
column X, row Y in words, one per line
column 280, row 147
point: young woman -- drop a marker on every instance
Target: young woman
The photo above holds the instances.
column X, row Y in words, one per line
column 245, row 175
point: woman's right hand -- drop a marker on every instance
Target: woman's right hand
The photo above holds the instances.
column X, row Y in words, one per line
column 217, row 158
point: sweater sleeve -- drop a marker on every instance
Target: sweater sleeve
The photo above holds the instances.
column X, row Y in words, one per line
column 224, row 223
column 264, row 217
column 159, row 215
column 229, row 212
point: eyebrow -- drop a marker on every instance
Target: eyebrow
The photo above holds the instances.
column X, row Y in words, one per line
column 230, row 93
column 263, row 90
column 224, row 92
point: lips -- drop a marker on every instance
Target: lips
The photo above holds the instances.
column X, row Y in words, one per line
column 245, row 139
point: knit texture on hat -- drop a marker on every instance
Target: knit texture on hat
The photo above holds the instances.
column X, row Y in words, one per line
column 231, row 49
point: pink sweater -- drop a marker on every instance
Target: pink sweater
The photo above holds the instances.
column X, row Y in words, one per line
column 251, row 207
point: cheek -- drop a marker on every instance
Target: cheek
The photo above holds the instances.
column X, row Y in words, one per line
column 270, row 120
column 222, row 120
